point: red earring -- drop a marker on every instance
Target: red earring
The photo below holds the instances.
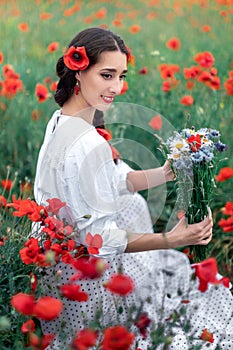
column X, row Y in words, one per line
column 76, row 89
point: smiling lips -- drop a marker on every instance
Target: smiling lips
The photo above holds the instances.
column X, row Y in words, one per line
column 107, row 99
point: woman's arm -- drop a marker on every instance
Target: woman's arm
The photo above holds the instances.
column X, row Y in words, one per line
column 139, row 180
column 181, row 235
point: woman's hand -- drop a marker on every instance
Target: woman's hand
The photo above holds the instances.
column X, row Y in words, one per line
column 184, row 234
column 168, row 173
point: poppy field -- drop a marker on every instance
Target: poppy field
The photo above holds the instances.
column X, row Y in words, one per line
column 181, row 67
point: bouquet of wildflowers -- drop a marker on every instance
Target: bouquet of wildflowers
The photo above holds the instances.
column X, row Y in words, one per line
column 192, row 155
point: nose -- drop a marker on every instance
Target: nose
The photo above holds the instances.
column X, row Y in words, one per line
column 116, row 86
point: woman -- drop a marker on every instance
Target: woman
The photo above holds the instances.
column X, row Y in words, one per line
column 75, row 164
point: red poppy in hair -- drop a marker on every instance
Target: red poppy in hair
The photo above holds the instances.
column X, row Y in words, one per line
column 76, row 58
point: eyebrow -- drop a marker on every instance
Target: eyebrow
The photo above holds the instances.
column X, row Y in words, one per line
column 113, row 70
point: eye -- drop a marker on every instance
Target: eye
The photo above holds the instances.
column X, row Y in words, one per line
column 123, row 77
column 106, row 76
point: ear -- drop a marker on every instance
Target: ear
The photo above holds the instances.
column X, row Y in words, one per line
column 77, row 75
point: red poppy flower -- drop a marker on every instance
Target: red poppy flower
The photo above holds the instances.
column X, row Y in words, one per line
column 124, row 88
column 33, row 281
column 168, row 70
column 204, row 59
column 134, row 29
column 224, row 174
column 1, row 57
column 207, row 336
column 173, row 44
column 3, row 201
column 143, row 71
column 192, row 72
column 53, row 46
column 156, row 122
column 90, row 267
column 93, row 243
column 28, row 327
column 101, row 13
column 187, row 100
column 76, row 58
column 40, row 343
column 228, row 85
column 120, row 284
column 23, row 303
column 7, row 184
column 117, row 337
column 84, row 339
column 24, row 27
column 142, row 322
column 228, row 208
column 41, row 93
column 207, row 271
column 53, row 86
column 47, row 308
column 45, row 16
column 73, row 292
column 31, row 251
column 27, row 207
column 195, row 142
column 55, row 204
column 105, row 133
column 206, row 28
column 226, row 224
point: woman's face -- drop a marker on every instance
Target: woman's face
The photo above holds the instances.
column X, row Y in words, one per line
column 103, row 81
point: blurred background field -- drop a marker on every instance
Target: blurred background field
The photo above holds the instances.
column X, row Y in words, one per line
column 161, row 34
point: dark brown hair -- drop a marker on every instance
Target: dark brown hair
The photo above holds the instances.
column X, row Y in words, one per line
column 95, row 41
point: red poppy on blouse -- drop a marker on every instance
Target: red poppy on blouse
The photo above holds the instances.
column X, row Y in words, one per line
column 41, row 92
column 47, row 308
column 204, row 59
column 28, row 327
column 117, row 337
column 156, row 122
column 73, row 292
column 120, row 284
column 187, row 100
column 224, row 174
column 84, row 339
column 93, row 242
column 173, row 44
column 23, row 303
column 40, row 343
column 3, row 201
column 195, row 142
column 207, row 336
column 7, row 184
